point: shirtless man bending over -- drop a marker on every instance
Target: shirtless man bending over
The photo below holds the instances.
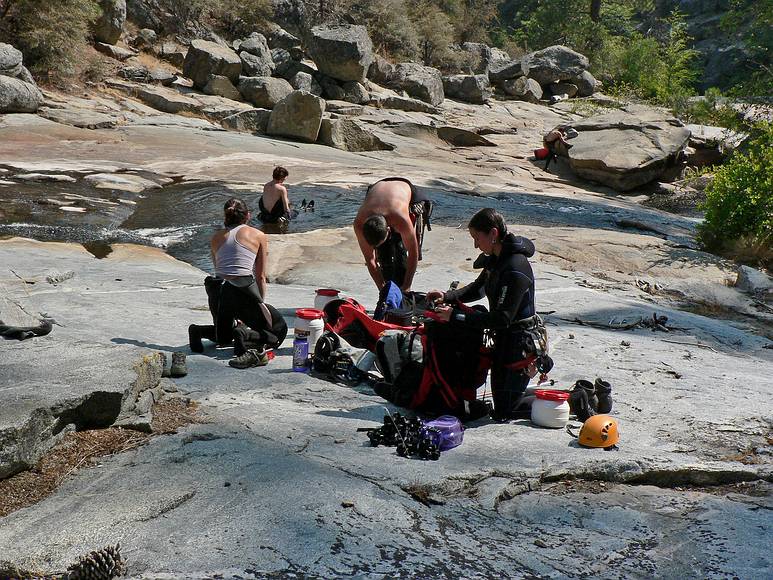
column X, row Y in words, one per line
column 390, row 230
column 274, row 204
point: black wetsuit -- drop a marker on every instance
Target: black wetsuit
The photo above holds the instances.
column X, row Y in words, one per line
column 277, row 212
column 508, row 282
column 391, row 255
column 228, row 303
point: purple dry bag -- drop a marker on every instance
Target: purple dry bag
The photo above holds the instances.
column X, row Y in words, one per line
column 448, row 432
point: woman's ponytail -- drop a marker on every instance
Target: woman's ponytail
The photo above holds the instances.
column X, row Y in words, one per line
column 235, row 211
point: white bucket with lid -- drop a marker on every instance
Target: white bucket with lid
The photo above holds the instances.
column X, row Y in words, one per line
column 309, row 324
column 323, row 296
column 550, row 408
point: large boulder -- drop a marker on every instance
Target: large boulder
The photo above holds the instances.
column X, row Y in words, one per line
column 254, row 66
column 523, row 89
column 343, row 52
column 16, row 96
column 172, row 52
column 255, row 53
column 222, row 87
column 477, row 57
column 10, row 60
column 562, row 88
column 499, row 55
column 298, row 116
column 627, row 148
column 503, row 70
column 278, row 37
column 303, row 81
column 349, row 135
column 251, row 120
column 553, row 64
column 206, row 58
column 405, row 104
column 468, row 88
column 109, row 25
column 355, row 93
column 420, row 82
column 586, row 84
column 380, row 71
column 264, row 92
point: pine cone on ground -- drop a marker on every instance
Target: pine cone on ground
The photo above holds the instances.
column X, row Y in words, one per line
column 104, row 564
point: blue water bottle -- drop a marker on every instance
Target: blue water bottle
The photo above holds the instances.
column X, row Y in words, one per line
column 300, row 354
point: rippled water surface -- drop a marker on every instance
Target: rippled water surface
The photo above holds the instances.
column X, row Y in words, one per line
column 182, row 217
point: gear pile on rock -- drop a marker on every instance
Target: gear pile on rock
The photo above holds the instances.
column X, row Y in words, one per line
column 408, row 434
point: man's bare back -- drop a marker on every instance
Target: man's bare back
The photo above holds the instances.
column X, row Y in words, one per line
column 274, row 191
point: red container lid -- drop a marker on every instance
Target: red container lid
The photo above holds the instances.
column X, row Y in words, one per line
column 309, row 313
column 328, row 292
column 551, row 395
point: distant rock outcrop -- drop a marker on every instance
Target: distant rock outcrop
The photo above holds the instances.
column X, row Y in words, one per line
column 298, row 116
column 206, row 58
column 343, row 52
column 628, row 148
column 420, row 82
column 109, row 25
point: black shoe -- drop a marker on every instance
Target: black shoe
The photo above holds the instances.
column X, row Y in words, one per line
column 604, row 396
column 310, row 206
column 582, row 400
column 251, row 358
column 194, row 339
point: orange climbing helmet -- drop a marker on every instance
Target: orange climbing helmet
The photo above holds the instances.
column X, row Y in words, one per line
column 599, row 431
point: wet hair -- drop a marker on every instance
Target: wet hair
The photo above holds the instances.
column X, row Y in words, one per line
column 487, row 219
column 280, row 172
column 235, row 211
column 375, row 230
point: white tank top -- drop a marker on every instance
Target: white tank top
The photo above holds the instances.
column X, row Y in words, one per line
column 234, row 259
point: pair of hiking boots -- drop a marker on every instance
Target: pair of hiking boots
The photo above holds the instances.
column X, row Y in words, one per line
column 177, row 369
column 588, row 399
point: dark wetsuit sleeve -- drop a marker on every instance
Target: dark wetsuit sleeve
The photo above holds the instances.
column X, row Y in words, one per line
column 513, row 288
column 469, row 293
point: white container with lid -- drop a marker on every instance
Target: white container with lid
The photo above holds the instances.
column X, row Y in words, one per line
column 309, row 324
column 550, row 408
column 324, row 296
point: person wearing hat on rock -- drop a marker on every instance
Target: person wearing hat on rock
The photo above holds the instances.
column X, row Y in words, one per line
column 390, row 230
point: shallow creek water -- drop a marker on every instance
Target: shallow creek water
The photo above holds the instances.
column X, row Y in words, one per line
column 181, row 217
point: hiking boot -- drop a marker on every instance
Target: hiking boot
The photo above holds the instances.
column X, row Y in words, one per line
column 582, row 400
column 251, row 358
column 194, row 338
column 178, row 365
column 604, row 396
column 164, row 365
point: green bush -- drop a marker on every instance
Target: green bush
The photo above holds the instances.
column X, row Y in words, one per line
column 240, row 17
column 739, row 201
column 50, row 34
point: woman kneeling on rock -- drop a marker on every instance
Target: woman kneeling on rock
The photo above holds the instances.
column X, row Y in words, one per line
column 508, row 282
column 235, row 293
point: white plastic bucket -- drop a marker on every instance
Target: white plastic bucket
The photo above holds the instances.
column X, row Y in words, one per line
column 324, row 296
column 550, row 408
column 309, row 324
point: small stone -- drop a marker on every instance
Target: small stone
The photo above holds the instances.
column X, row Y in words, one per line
column 540, row 544
column 339, row 441
column 227, row 484
column 625, row 343
column 571, row 337
column 347, row 504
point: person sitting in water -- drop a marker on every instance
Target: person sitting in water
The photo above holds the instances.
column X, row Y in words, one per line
column 390, row 230
column 508, row 282
column 275, row 197
column 236, row 293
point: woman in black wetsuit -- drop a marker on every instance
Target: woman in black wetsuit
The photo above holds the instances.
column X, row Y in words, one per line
column 508, row 282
